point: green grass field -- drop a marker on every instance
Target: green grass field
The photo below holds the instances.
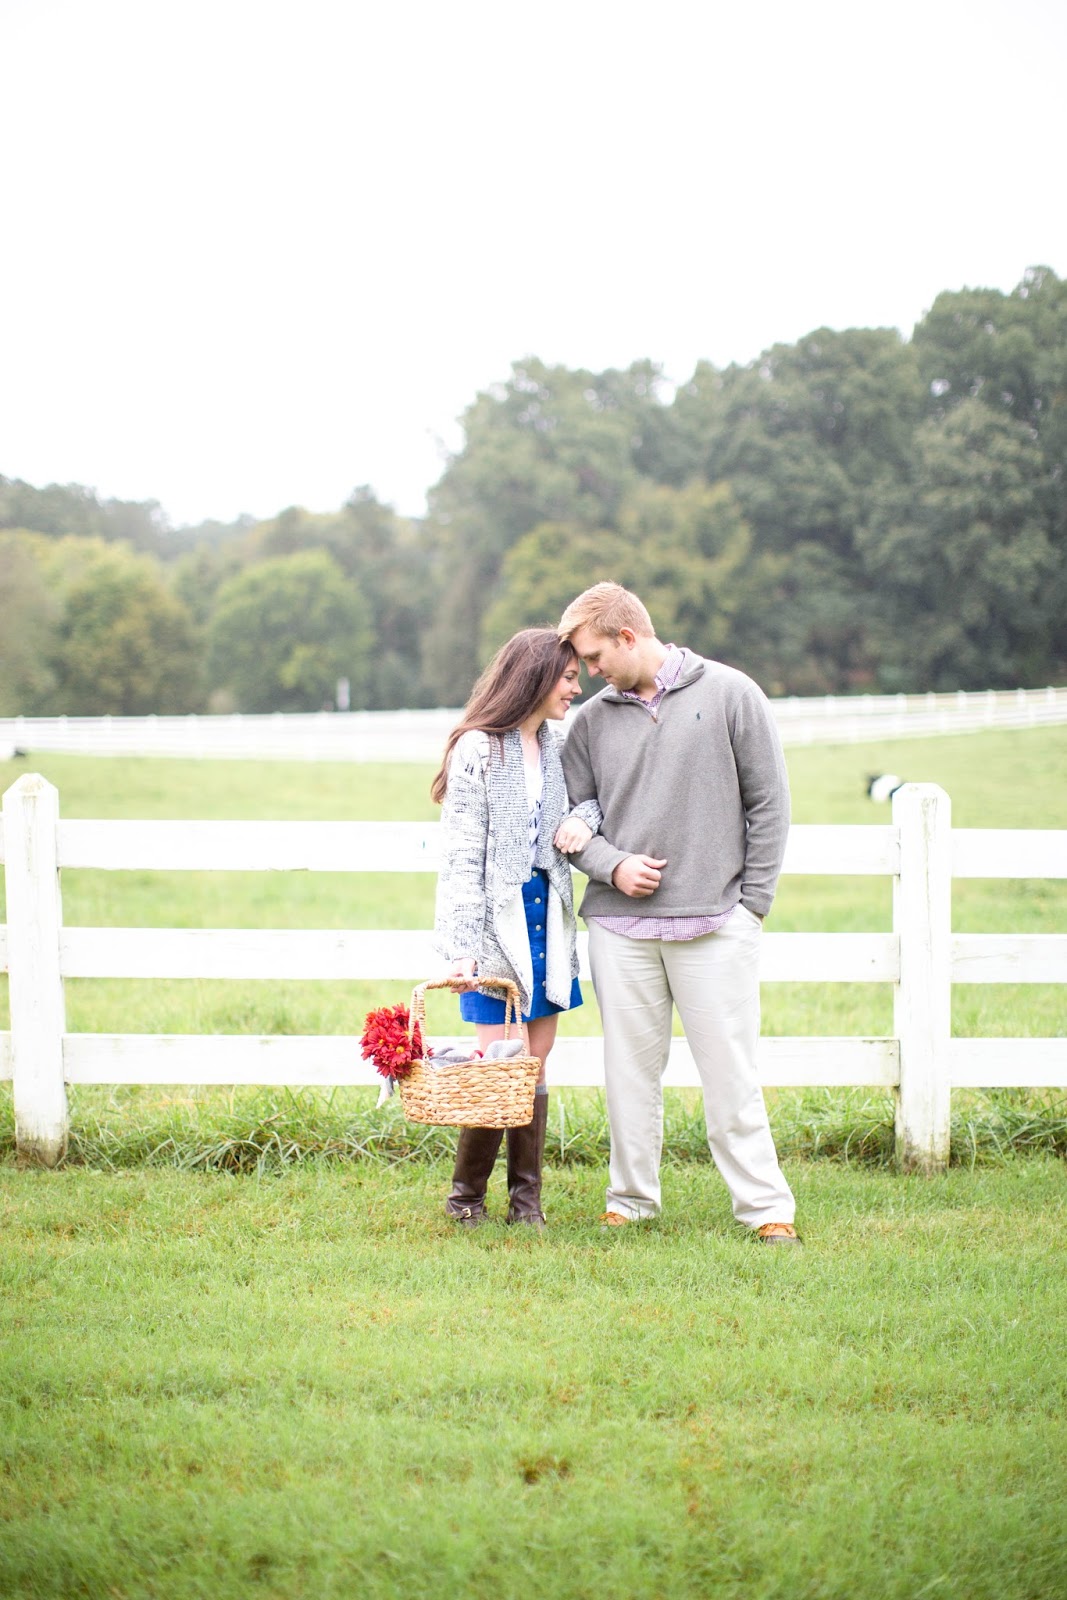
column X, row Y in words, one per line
column 217, row 1387
column 243, row 1353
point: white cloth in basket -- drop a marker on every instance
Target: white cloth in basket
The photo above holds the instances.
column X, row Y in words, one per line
column 454, row 1055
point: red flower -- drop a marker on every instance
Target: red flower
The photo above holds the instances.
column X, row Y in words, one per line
column 387, row 1042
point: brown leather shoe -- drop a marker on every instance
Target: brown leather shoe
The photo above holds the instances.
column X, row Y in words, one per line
column 613, row 1219
column 778, row 1233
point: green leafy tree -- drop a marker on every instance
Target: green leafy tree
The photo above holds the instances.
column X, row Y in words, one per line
column 1008, row 352
column 685, row 551
column 285, row 631
column 209, row 535
column 805, row 433
column 198, row 574
column 810, row 439
column 548, row 446
column 29, row 616
column 1001, row 349
column 542, row 573
column 125, row 645
column 387, row 558
column 810, row 626
column 70, row 510
column 963, row 555
column 692, row 558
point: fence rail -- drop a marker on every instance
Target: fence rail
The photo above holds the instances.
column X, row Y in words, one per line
column 410, row 736
column 920, row 958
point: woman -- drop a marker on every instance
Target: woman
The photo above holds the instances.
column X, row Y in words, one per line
column 504, row 899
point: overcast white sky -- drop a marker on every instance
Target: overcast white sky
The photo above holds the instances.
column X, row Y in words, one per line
column 257, row 253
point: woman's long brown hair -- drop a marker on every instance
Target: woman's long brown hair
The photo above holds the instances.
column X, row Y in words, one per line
column 513, row 685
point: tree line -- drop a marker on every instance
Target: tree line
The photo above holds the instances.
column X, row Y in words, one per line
column 854, row 512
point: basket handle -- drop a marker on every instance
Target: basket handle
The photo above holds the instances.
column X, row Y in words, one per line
column 457, row 985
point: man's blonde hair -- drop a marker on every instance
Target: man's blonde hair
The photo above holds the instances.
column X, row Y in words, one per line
column 606, row 608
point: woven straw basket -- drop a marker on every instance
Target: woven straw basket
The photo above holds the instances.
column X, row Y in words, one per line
column 471, row 1094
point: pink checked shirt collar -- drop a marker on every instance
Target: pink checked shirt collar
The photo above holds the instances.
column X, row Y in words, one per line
column 666, row 678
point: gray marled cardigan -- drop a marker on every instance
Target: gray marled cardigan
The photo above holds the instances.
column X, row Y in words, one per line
column 485, row 860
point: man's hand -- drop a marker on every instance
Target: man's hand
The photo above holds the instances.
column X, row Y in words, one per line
column 638, row 876
column 571, row 835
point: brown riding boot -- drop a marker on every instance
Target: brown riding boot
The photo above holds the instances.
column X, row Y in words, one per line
column 526, row 1151
column 476, row 1151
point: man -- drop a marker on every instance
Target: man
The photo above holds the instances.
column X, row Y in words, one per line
column 684, row 760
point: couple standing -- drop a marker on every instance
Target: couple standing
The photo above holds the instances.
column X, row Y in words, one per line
column 671, row 795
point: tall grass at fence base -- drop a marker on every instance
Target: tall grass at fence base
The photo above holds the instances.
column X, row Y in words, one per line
column 270, row 1130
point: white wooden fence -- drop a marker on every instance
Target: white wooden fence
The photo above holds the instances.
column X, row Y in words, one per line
column 921, row 958
column 420, row 735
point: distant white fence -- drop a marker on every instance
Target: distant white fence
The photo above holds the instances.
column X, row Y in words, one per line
column 921, row 958
column 410, row 736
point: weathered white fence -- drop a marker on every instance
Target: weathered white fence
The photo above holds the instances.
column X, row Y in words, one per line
column 921, row 958
column 420, row 735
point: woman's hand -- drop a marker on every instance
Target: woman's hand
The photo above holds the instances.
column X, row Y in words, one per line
column 461, row 973
column 571, row 835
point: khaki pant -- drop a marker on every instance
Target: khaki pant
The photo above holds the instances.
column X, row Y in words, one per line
column 714, row 982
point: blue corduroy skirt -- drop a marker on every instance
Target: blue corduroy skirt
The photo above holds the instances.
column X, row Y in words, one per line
column 474, row 1007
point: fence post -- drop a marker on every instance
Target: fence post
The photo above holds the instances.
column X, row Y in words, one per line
column 34, row 920
column 922, row 1011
